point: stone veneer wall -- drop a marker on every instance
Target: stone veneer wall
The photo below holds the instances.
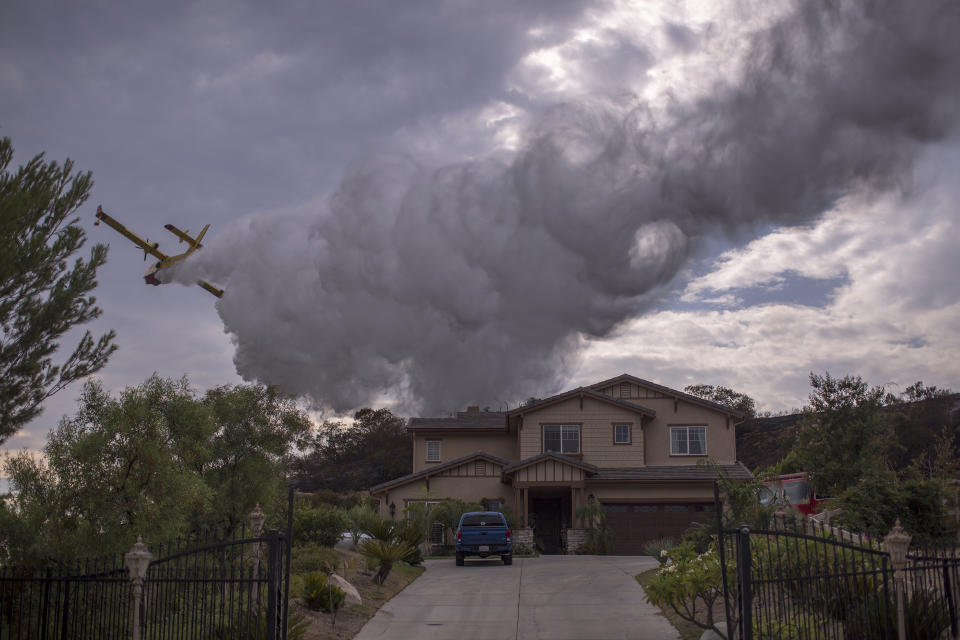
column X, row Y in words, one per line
column 574, row 539
column 523, row 536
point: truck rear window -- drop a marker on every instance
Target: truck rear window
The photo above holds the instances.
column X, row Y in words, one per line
column 491, row 520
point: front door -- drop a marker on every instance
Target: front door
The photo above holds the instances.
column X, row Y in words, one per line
column 547, row 514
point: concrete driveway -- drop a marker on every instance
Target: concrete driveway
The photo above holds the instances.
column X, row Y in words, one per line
column 548, row 598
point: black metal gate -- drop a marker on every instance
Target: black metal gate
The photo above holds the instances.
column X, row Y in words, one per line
column 811, row 581
column 208, row 585
column 218, row 589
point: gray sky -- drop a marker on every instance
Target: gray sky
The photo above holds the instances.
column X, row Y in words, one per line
column 423, row 205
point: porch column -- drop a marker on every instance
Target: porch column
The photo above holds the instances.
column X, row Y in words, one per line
column 526, row 505
column 574, row 522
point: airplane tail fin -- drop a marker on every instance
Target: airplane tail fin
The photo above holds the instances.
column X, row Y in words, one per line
column 200, row 235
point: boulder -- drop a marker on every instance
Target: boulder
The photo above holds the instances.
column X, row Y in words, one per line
column 353, row 596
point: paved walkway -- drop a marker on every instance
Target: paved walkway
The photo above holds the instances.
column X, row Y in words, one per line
column 546, row 598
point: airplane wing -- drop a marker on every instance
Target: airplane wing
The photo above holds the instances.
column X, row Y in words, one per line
column 217, row 291
column 184, row 236
column 147, row 247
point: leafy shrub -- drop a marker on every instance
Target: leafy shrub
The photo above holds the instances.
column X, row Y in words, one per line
column 520, row 549
column 690, row 584
column 323, row 525
column 310, row 558
column 799, row 627
column 359, row 517
column 319, row 594
column 658, row 548
column 599, row 538
column 875, row 502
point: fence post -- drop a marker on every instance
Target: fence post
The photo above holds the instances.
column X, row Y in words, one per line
column 948, row 592
column 45, row 609
column 273, row 580
column 137, row 561
column 721, row 550
column 746, row 593
column 896, row 543
column 256, row 519
column 780, row 518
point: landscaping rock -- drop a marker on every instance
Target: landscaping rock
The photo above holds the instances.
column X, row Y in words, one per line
column 353, row 596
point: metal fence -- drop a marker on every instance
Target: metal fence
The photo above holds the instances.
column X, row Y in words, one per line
column 208, row 585
column 810, row 580
column 79, row 600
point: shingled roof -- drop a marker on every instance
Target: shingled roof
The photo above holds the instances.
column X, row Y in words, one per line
column 670, row 392
column 462, row 421
column 678, row 473
column 438, row 468
column 550, row 455
column 583, row 392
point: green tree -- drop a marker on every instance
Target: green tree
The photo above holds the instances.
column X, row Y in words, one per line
column 256, row 430
column 725, row 396
column 844, row 432
column 118, row 468
column 42, row 296
column 341, row 457
column 157, row 462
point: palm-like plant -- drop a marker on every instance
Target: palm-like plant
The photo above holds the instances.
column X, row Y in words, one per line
column 599, row 538
column 380, row 528
column 386, row 552
column 450, row 510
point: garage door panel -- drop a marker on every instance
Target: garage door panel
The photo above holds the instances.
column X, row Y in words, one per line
column 636, row 524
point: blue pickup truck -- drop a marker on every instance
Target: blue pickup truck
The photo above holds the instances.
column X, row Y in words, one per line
column 484, row 534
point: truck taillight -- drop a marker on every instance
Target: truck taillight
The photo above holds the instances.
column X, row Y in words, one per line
column 508, row 535
column 459, row 535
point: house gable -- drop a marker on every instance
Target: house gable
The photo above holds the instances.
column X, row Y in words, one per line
column 594, row 417
column 633, row 389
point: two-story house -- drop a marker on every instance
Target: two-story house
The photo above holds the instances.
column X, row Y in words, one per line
column 631, row 444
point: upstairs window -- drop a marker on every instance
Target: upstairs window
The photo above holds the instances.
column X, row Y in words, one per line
column 621, row 434
column 433, row 451
column 561, row 438
column 688, row 441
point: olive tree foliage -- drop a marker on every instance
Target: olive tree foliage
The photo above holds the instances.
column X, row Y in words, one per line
column 725, row 396
column 42, row 294
column 158, row 461
column 845, row 432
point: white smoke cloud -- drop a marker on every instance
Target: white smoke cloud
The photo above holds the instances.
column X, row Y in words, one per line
column 474, row 282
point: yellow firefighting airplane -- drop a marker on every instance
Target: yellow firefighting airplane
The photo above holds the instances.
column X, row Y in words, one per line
column 163, row 260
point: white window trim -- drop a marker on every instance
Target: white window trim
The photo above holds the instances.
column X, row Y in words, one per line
column 543, row 439
column 439, row 455
column 686, row 429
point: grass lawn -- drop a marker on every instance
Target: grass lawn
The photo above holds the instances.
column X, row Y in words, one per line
column 351, row 618
column 688, row 630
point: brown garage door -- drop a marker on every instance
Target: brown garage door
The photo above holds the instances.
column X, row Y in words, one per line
column 637, row 523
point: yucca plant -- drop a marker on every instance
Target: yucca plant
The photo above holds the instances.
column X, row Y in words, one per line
column 386, row 552
column 380, row 528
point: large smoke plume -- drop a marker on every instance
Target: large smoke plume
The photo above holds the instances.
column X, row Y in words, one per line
column 474, row 282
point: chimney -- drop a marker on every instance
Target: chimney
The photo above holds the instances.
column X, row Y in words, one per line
column 473, row 409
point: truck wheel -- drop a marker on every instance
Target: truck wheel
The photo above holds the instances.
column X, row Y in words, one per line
column 507, row 559
column 459, row 559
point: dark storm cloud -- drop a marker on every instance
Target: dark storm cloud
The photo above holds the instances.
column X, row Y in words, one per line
column 472, row 282
column 244, row 102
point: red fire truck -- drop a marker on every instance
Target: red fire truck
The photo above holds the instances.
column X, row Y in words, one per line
column 793, row 489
